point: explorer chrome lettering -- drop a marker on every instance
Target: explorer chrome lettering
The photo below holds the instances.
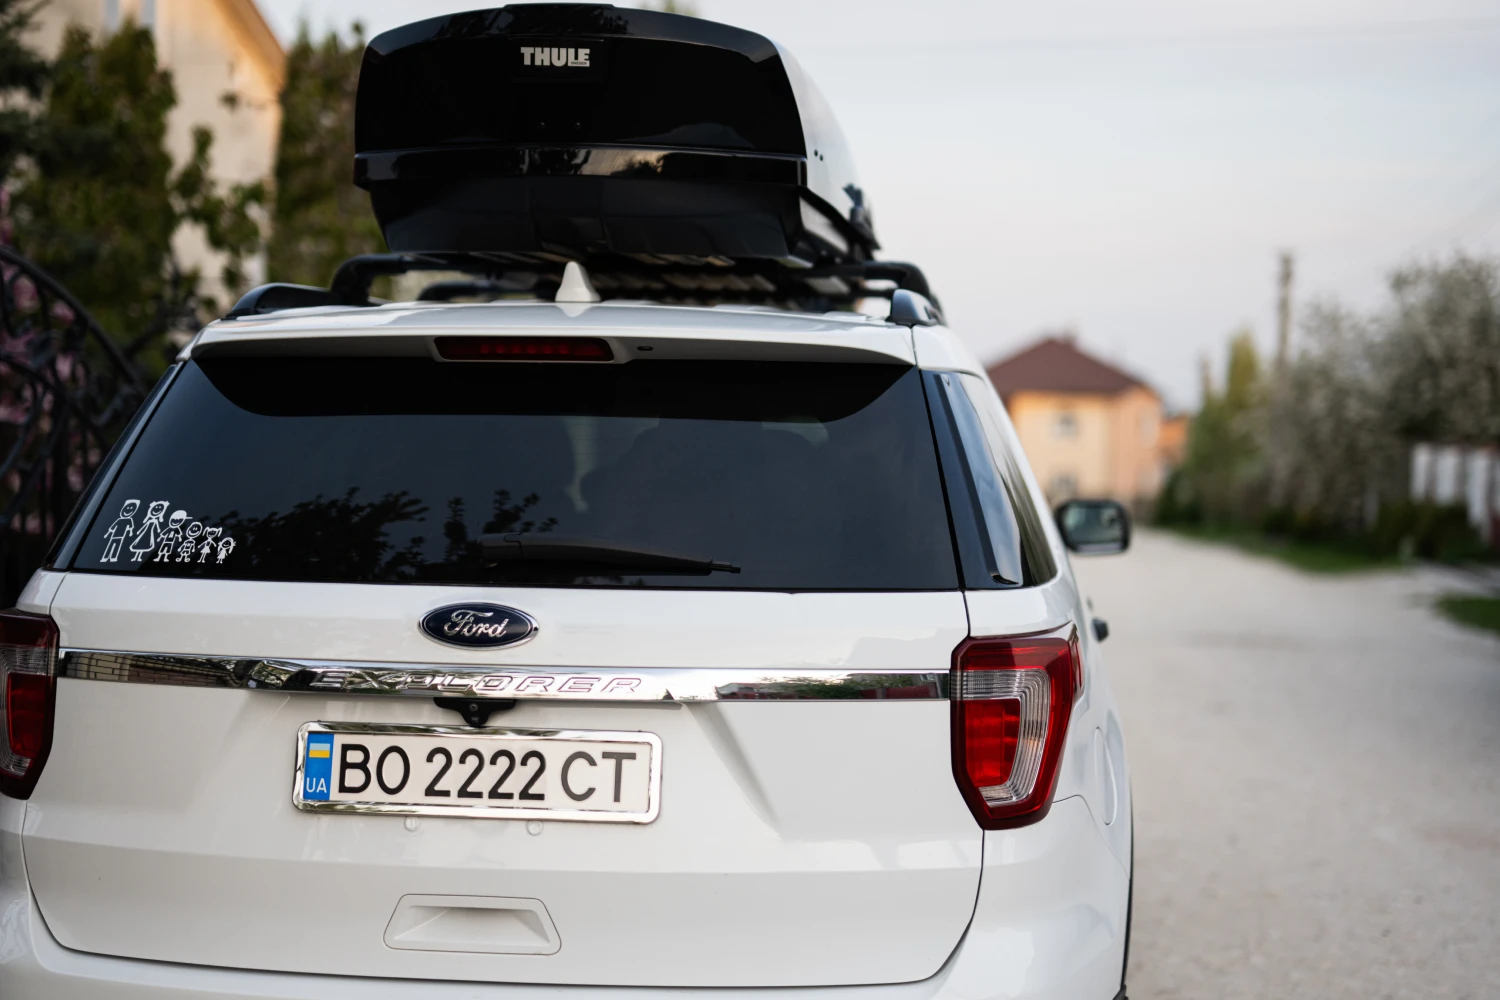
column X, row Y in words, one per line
column 527, row 683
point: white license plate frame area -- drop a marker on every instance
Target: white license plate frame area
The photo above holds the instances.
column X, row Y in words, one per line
column 358, row 767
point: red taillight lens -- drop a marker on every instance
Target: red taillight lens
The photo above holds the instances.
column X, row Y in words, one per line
column 28, row 655
column 26, row 713
column 992, row 732
column 524, row 349
column 1012, row 699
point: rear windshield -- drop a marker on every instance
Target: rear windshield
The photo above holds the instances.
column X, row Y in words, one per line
column 800, row 476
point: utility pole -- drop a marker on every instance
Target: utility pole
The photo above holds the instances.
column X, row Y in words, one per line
column 1284, row 308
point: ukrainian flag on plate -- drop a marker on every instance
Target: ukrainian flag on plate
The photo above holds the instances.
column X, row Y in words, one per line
column 317, row 767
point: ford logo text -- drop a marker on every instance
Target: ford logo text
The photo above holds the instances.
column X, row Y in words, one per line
column 478, row 626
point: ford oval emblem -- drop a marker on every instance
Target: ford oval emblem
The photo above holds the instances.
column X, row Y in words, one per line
column 478, row 626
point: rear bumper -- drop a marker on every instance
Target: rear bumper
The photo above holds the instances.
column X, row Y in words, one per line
column 1049, row 925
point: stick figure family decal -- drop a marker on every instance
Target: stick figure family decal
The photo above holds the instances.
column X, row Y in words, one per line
column 176, row 540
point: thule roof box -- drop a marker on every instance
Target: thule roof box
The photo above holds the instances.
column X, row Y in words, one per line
column 676, row 159
column 584, row 129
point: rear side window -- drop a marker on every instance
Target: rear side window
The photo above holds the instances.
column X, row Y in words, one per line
column 1040, row 566
column 996, row 528
column 802, row 476
column 978, row 477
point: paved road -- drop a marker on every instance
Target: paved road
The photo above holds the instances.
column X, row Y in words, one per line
column 1317, row 779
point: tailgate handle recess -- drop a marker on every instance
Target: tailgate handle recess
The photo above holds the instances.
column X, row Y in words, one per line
column 496, row 925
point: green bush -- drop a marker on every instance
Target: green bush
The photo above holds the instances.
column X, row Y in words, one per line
column 1426, row 530
column 1403, row 530
column 1177, row 505
column 1307, row 528
column 1474, row 610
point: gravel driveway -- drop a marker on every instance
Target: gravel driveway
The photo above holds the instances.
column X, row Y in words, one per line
column 1316, row 764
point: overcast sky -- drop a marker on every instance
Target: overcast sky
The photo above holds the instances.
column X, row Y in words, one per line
column 1130, row 170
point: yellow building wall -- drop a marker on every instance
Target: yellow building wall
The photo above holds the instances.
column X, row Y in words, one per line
column 1084, row 445
column 213, row 48
column 212, row 52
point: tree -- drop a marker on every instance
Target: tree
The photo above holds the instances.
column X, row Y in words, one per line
column 1223, row 469
column 1440, row 352
column 23, row 78
column 1340, row 419
column 98, row 201
column 1327, row 429
column 319, row 218
column 1322, row 449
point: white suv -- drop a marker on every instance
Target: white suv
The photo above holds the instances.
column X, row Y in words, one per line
column 438, row 650
column 435, row 650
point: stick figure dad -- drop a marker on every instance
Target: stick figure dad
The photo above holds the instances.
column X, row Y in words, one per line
column 120, row 531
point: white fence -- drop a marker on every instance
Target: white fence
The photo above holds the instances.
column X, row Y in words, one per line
column 1449, row 474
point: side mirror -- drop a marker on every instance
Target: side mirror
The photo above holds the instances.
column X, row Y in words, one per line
column 1094, row 527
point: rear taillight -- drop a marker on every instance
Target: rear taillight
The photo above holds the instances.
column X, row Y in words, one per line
column 524, row 349
column 28, row 656
column 1012, row 698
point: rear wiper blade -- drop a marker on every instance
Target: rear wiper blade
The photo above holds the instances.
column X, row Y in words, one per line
column 565, row 549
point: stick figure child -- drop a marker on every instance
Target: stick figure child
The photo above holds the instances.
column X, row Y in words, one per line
column 145, row 539
column 171, row 536
column 118, row 532
column 210, row 536
column 189, row 542
column 226, row 546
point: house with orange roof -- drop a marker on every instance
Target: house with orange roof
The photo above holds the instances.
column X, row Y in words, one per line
column 1090, row 428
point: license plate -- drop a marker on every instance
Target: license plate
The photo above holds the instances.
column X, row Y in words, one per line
column 558, row 774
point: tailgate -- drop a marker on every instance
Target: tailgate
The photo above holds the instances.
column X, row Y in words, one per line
column 814, row 841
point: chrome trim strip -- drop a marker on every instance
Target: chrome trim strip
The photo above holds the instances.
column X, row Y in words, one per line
column 423, row 680
column 653, row 792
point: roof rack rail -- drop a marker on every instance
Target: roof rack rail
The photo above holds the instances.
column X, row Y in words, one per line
column 280, row 295
column 910, row 308
column 677, row 280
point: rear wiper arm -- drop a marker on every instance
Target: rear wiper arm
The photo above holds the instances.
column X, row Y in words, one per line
column 565, row 549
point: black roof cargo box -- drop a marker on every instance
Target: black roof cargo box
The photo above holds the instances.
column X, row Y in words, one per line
column 583, row 131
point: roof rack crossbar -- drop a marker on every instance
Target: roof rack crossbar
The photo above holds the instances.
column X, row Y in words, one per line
column 280, row 295
column 815, row 288
column 352, row 281
column 447, row 291
column 907, row 276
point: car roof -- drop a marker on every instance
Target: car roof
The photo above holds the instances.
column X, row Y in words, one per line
column 737, row 331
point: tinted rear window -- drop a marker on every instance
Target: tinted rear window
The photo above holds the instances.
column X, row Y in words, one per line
column 806, row 476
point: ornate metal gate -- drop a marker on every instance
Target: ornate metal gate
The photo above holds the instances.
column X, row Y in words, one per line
column 66, row 393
